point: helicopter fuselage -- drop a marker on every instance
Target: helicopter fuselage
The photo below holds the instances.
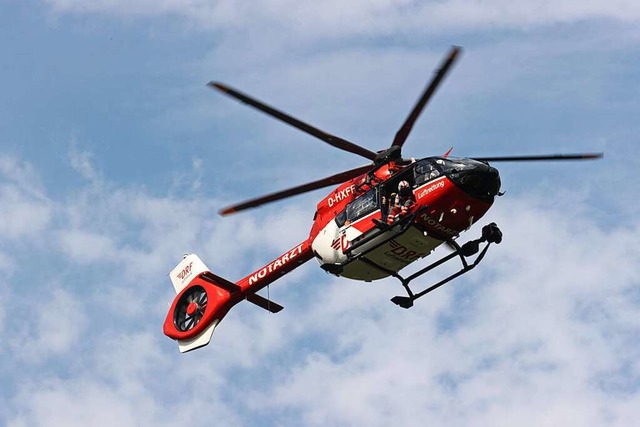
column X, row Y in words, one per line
column 358, row 234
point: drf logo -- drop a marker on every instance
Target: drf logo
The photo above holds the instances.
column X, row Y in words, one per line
column 344, row 243
column 185, row 271
column 341, row 243
column 402, row 253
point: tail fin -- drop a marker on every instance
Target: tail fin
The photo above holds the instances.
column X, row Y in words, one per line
column 203, row 300
column 190, row 266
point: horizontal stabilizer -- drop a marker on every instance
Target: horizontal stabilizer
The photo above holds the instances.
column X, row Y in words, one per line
column 220, row 282
column 264, row 303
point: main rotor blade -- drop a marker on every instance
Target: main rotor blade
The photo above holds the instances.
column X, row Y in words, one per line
column 333, row 140
column 578, row 156
column 403, row 133
column 325, row 182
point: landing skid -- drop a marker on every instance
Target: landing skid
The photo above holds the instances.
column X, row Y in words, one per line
column 490, row 234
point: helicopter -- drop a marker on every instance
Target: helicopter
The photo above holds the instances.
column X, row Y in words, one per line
column 380, row 218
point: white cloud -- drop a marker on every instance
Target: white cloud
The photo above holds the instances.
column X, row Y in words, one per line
column 336, row 19
column 82, row 162
column 83, row 401
column 21, row 215
column 128, row 358
column 24, row 208
column 78, row 403
column 7, row 265
column 53, row 325
column 88, row 247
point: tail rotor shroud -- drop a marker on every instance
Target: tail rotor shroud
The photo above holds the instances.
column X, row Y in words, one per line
column 190, row 308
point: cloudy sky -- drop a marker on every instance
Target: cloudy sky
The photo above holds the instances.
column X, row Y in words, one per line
column 115, row 157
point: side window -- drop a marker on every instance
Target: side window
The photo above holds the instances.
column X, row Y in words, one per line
column 341, row 218
column 425, row 171
column 360, row 207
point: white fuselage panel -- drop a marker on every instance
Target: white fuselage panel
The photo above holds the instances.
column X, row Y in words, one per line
column 375, row 259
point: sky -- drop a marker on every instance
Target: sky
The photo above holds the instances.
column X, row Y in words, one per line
column 115, row 157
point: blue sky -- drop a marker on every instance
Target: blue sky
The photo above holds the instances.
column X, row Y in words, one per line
column 115, row 157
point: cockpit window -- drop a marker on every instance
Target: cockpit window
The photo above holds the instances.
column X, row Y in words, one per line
column 432, row 167
column 453, row 164
column 360, row 207
column 425, row 171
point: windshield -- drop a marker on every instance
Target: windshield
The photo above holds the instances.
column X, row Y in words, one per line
column 455, row 164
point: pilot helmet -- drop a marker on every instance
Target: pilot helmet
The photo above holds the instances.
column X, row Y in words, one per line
column 403, row 187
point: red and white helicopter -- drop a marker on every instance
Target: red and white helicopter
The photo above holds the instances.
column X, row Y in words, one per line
column 382, row 217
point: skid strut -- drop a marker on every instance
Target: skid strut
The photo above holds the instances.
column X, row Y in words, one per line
column 490, row 234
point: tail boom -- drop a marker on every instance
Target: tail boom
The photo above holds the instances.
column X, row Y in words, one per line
column 204, row 298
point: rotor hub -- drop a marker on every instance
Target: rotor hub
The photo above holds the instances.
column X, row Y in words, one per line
column 192, row 308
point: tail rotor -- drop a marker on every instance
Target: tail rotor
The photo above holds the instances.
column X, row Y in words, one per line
column 190, row 308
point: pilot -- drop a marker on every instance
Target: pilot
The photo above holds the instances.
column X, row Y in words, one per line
column 400, row 202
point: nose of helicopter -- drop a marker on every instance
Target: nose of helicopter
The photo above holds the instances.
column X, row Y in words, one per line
column 481, row 181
